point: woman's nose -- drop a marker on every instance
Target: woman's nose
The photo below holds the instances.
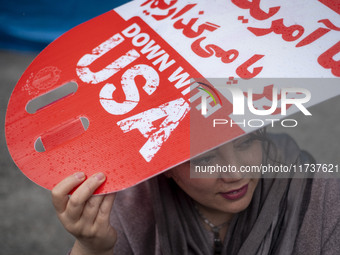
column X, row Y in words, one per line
column 231, row 176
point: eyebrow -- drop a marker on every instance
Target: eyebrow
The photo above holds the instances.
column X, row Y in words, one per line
column 243, row 137
column 206, row 154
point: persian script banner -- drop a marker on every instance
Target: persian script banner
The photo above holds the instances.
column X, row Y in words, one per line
column 115, row 93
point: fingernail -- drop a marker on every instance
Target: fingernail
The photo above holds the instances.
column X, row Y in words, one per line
column 79, row 175
column 100, row 176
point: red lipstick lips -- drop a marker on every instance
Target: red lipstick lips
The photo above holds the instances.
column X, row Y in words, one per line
column 235, row 194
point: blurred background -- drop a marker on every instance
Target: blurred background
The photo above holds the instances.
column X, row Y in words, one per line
column 28, row 224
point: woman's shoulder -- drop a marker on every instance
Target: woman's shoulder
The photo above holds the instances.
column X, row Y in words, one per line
column 320, row 224
column 320, row 229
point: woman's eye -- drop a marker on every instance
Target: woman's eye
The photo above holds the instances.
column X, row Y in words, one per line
column 243, row 143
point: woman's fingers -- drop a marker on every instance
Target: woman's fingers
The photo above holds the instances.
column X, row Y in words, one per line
column 85, row 216
column 91, row 208
column 62, row 189
column 103, row 215
column 82, row 194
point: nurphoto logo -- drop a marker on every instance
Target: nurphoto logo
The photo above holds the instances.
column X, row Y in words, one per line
column 273, row 101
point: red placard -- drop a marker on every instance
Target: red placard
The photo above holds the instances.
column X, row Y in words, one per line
column 131, row 87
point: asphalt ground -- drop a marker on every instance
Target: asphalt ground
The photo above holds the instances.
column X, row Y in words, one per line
column 28, row 222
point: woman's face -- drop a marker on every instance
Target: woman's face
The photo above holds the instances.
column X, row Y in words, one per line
column 225, row 192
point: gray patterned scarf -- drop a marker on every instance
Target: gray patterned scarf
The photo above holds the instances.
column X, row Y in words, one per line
column 269, row 225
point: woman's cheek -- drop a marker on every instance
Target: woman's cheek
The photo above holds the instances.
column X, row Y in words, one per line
column 253, row 155
column 195, row 187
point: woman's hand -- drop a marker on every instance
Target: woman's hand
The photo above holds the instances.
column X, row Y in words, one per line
column 85, row 216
